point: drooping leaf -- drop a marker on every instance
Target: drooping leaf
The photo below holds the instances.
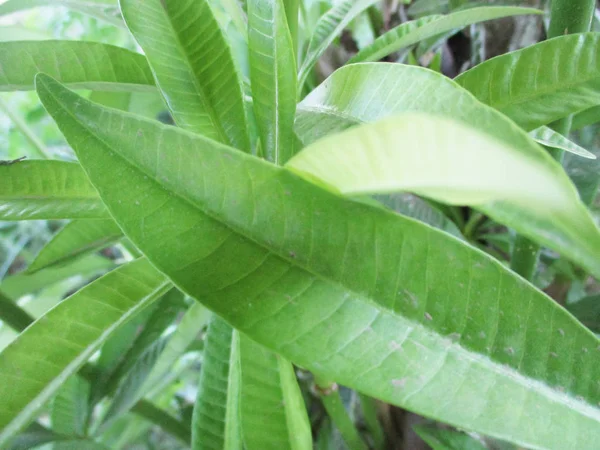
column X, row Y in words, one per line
column 550, row 138
column 270, row 389
column 101, row 9
column 351, row 292
column 192, row 62
column 273, row 77
column 81, row 65
column 76, row 239
column 443, row 439
column 587, row 310
column 47, row 190
column 520, row 85
column 45, row 355
column 217, row 421
column 409, row 33
column 330, row 26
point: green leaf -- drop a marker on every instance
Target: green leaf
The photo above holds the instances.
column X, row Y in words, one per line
column 517, row 84
column 216, row 421
column 45, row 355
column 531, row 193
column 444, row 439
column 77, row 238
column 273, row 77
column 70, row 408
column 351, row 292
column 82, row 65
column 329, row 26
column 193, row 66
column 585, row 173
column 47, row 190
column 550, row 138
column 585, row 118
column 409, row 33
column 587, row 310
column 101, row 9
column 345, row 99
column 270, row 389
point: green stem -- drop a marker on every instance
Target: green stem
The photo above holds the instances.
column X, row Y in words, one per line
column 471, row 226
column 369, row 409
column 566, row 17
column 40, row 149
column 13, row 315
column 332, row 402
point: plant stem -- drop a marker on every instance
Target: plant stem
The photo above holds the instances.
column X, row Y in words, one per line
column 566, row 17
column 40, row 149
column 369, row 409
column 13, row 315
column 471, row 226
column 330, row 396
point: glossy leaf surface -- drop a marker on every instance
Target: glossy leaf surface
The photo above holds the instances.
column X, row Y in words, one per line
column 76, row 239
column 192, row 63
column 81, row 65
column 39, row 361
column 273, row 77
column 412, row 32
column 516, row 84
column 346, row 99
column 47, row 190
column 397, row 326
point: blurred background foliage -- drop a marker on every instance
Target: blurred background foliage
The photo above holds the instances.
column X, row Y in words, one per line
column 128, row 358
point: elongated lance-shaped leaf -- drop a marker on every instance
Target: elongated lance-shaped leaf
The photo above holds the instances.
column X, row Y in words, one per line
column 329, row 26
column 550, row 138
column 273, row 77
column 516, row 84
column 409, row 33
column 352, row 292
column 270, row 389
column 81, row 65
column 76, row 239
column 447, row 161
column 192, row 63
column 217, row 420
column 346, row 99
column 47, row 190
column 47, row 353
column 101, row 9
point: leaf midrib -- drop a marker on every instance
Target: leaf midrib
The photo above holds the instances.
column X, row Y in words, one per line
column 509, row 372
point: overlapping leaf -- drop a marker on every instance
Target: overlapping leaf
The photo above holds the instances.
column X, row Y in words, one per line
column 349, row 291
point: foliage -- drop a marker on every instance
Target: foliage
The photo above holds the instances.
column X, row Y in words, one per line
column 256, row 234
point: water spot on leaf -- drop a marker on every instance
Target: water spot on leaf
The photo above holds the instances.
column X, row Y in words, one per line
column 553, row 354
column 428, row 316
column 561, row 331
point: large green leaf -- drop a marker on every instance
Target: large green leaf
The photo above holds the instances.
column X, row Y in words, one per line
column 76, row 239
column 193, row 66
column 216, row 422
column 352, row 292
column 329, row 26
column 47, row 190
column 82, row 65
column 270, row 389
column 412, row 32
column 101, row 9
column 273, row 77
column 47, row 353
column 346, row 99
column 524, row 87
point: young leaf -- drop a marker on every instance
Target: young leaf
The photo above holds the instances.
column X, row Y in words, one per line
column 270, row 389
column 443, row 159
column 329, row 26
column 47, row 190
column 76, row 239
column 81, row 65
column 216, row 421
column 352, row 292
column 45, row 355
column 273, row 77
column 550, row 138
column 193, row 66
column 409, row 33
column 520, row 85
